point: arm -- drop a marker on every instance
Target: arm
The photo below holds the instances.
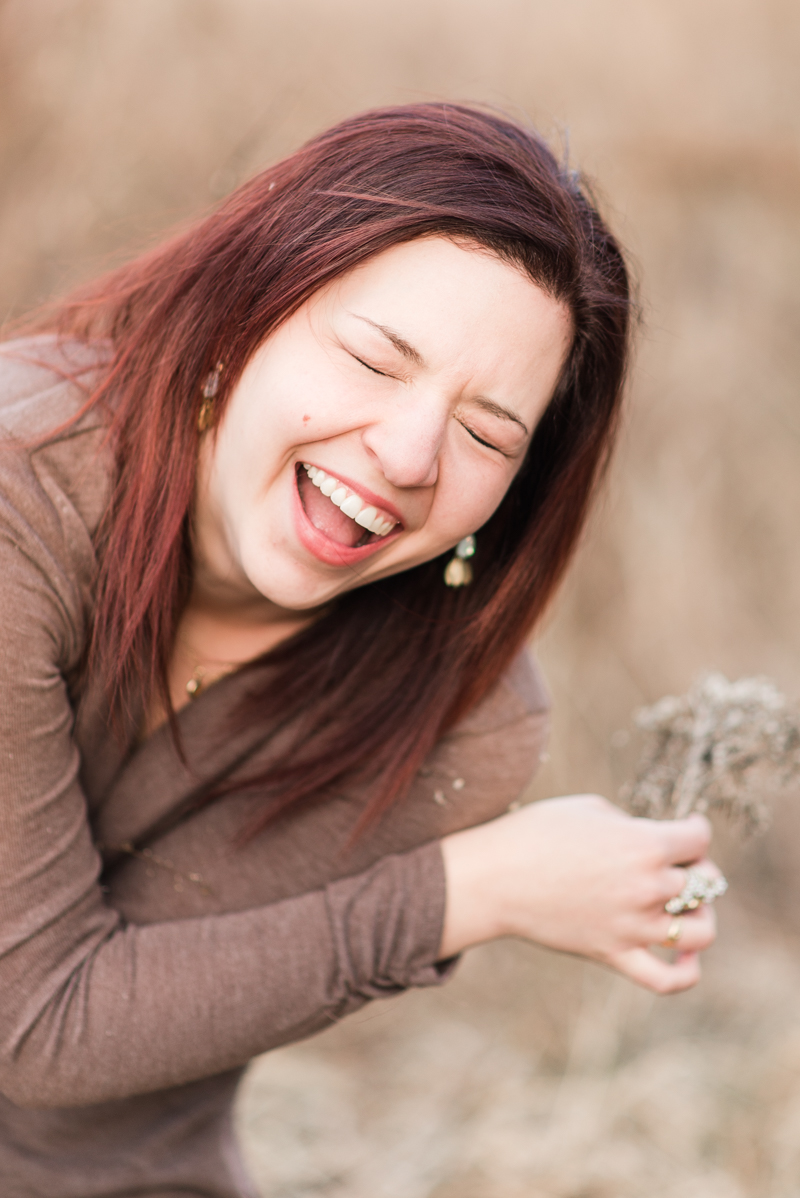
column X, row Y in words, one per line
column 91, row 1008
column 579, row 875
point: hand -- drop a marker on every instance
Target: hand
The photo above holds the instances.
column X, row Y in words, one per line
column 580, row 875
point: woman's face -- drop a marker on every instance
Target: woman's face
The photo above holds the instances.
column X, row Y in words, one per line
column 378, row 425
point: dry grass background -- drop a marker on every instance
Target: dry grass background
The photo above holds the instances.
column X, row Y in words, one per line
column 531, row 1074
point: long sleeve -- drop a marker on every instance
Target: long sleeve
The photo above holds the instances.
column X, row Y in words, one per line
column 92, row 1008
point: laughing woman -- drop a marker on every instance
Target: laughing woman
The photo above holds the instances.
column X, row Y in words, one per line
column 280, row 505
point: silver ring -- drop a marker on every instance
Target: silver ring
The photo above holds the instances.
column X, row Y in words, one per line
column 699, row 889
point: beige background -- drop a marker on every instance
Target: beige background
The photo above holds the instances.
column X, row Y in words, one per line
column 531, row 1074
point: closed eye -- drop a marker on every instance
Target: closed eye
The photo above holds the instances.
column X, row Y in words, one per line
column 481, row 441
column 382, row 373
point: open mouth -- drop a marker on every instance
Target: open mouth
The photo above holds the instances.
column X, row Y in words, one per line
column 338, row 512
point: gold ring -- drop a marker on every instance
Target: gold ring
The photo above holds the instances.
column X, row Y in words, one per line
column 674, row 934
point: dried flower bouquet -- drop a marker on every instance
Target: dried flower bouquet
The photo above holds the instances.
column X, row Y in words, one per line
column 725, row 746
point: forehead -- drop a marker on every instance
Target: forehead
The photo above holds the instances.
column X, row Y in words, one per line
column 462, row 309
column 439, row 267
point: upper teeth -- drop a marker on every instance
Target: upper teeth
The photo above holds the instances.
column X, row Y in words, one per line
column 349, row 502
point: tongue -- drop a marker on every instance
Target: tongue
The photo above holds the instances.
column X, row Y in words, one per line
column 326, row 516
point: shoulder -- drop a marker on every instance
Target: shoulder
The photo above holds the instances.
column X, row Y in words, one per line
column 504, row 738
column 483, row 765
column 478, row 770
column 44, row 382
column 521, row 697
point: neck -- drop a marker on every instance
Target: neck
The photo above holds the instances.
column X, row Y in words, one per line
column 215, row 638
column 214, row 629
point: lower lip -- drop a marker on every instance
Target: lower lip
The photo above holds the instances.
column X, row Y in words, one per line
column 322, row 547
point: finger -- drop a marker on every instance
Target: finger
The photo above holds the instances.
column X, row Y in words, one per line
column 697, row 930
column 675, row 878
column 686, row 840
column 663, row 977
column 708, row 867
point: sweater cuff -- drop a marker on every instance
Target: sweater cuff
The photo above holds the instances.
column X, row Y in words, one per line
column 387, row 924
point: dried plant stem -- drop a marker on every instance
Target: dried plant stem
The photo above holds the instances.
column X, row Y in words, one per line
column 691, row 781
column 725, row 746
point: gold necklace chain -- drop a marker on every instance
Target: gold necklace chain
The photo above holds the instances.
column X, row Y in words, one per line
column 218, row 669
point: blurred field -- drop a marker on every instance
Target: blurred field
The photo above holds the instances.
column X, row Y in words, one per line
column 531, row 1074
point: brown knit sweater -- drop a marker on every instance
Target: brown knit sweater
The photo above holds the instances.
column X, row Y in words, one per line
column 135, row 985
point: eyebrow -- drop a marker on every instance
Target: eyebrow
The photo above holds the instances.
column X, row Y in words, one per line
column 400, row 343
column 497, row 409
column 413, row 355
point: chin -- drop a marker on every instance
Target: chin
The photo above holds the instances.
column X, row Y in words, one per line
column 297, row 589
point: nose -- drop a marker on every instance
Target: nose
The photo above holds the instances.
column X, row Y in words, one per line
column 407, row 441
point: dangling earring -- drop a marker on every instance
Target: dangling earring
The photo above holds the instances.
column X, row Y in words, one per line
column 458, row 571
column 210, row 389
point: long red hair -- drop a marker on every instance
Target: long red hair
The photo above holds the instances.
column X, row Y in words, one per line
column 373, row 685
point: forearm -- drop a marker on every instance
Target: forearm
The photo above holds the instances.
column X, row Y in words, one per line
column 151, row 1007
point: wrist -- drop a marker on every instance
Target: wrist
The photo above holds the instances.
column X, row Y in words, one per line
column 472, row 910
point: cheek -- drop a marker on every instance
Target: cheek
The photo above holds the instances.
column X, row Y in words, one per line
column 469, row 496
column 485, row 505
column 298, row 410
